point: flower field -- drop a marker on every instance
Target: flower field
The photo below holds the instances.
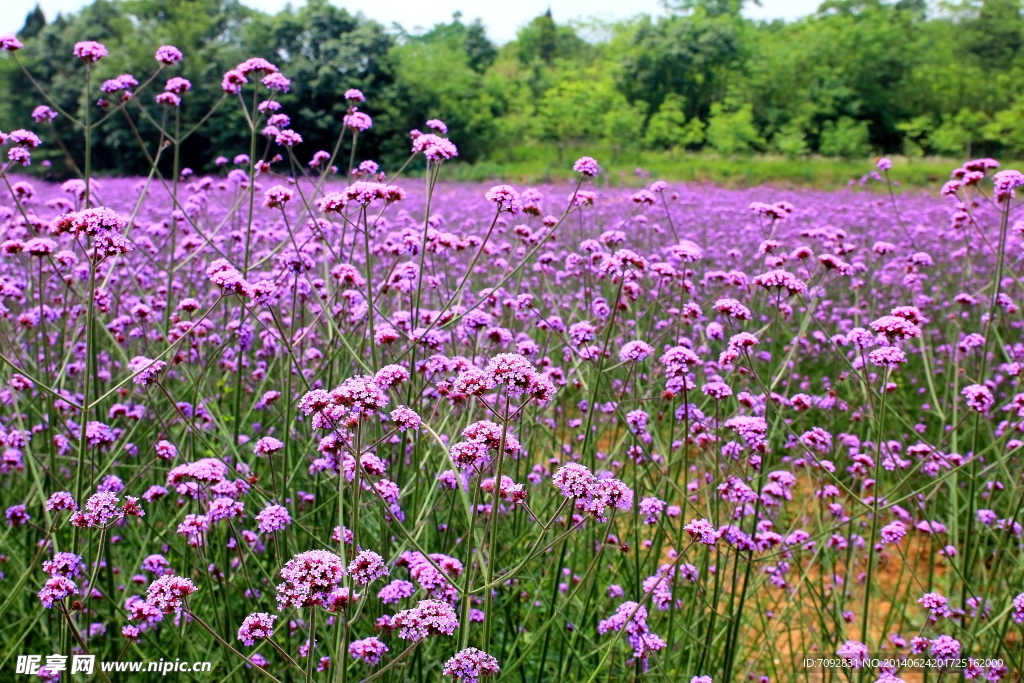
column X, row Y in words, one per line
column 310, row 419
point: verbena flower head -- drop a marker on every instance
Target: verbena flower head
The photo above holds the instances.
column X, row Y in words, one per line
column 256, row 65
column 57, row 588
column 1005, row 182
column 256, row 626
column 168, row 593
column 438, row 125
column 702, row 531
column 93, row 222
column 512, row 370
column 273, row 518
column 367, row 567
column 781, row 280
column 587, row 166
column 428, row 618
column 854, row 652
column 89, row 51
column 276, row 82
column 506, row 198
column 61, row 500
column 469, row 665
column 43, row 113
column 178, row 85
column 574, row 480
column 978, row 397
column 277, row 196
column 64, row 564
column 434, row 147
column 145, row 370
column 10, row 44
column 309, row 579
column 369, row 650
column 233, row 81
column 101, row 510
column 358, row 120
column 168, row 55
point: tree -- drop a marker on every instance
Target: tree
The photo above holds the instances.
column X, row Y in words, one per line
column 845, row 138
column 791, row 140
column 35, row 21
column 572, row 111
column 472, row 39
column 687, row 56
column 996, row 34
column 916, row 134
column 669, row 129
column 622, row 124
column 732, row 131
column 545, row 41
column 957, row 134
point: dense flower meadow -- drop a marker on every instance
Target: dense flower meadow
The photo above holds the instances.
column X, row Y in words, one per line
column 328, row 423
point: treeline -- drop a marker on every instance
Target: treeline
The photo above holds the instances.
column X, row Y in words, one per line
column 858, row 77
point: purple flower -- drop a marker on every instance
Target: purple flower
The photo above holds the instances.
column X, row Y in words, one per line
column 89, row 51
column 277, row 197
column 396, row 591
column 56, row 589
column 1018, row 608
column 587, row 166
column 68, row 565
column 574, row 480
column 17, row 516
column 61, row 500
column 256, row 626
column 434, row 147
column 506, row 198
column 168, row 593
column 651, row 508
column 429, row 617
column 978, row 397
column 702, row 531
column 168, row 55
column 10, row 43
column 309, row 579
column 369, row 649
column 438, row 125
column 893, row 532
column 268, row 445
column 43, row 113
column 635, row 351
column 367, row 567
column 273, row 518
column 945, row 647
column 854, row 652
column 467, row 666
column 357, row 120
column 405, row 418
column 145, row 371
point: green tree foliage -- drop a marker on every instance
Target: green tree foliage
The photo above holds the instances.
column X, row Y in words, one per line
column 689, row 56
column 35, row 21
column 858, row 77
column 669, row 129
column 732, row 130
column 845, row 138
column 958, row 133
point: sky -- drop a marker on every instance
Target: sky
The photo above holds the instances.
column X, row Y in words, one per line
column 502, row 19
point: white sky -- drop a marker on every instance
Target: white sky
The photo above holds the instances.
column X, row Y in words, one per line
column 501, row 18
